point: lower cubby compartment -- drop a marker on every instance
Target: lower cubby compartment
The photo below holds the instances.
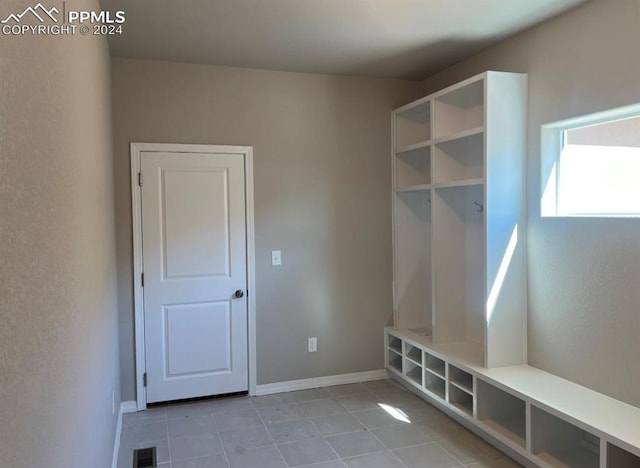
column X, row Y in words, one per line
column 502, row 412
column 395, row 360
column 561, row 444
column 461, row 399
column 395, row 343
column 413, row 353
column 413, row 372
column 461, row 378
column 620, row 458
column 435, row 365
column 435, row 385
column 515, row 408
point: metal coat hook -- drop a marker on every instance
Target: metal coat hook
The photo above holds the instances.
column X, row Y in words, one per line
column 480, row 207
column 429, row 201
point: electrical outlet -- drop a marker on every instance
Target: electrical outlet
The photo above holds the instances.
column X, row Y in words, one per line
column 313, row 344
column 113, row 402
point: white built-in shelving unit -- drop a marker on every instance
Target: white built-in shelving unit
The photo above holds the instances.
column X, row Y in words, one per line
column 538, row 418
column 459, row 332
column 458, row 201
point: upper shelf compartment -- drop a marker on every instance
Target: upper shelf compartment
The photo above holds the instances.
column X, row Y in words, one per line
column 413, row 167
column 459, row 109
column 412, row 125
column 460, row 159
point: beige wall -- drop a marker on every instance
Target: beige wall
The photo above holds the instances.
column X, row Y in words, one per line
column 322, row 184
column 58, row 318
column 584, row 299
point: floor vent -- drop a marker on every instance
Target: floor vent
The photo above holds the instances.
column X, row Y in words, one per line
column 144, row 458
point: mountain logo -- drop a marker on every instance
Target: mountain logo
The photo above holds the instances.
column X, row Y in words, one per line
column 39, row 11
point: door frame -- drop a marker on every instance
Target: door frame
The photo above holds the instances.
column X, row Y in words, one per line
column 136, row 212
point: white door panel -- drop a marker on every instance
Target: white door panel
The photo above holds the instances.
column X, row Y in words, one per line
column 194, row 259
column 196, row 236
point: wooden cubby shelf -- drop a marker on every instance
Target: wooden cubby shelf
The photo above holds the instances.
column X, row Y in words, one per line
column 620, row 458
column 435, row 365
column 501, row 403
column 460, row 158
column 560, row 443
column 394, row 360
column 412, row 125
column 460, row 399
column 459, row 136
column 459, row 183
column 414, row 354
column 414, row 188
column 435, row 385
column 413, row 166
column 412, row 207
column 457, row 156
column 570, row 426
column 461, row 379
column 416, row 149
column 502, row 412
column 395, row 344
column 414, row 372
column 459, row 108
column 459, row 336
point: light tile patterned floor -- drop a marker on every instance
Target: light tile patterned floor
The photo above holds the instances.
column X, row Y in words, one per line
column 333, row 427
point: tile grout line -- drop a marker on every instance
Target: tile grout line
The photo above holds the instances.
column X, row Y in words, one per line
column 168, row 437
column 374, row 453
column 270, row 435
column 388, row 448
column 365, row 428
column 213, row 417
column 217, row 434
column 334, row 450
column 311, row 465
column 347, row 412
column 320, row 437
column 451, row 455
column 224, row 450
column 308, row 418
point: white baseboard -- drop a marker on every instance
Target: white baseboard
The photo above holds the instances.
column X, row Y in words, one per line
column 316, row 382
column 128, row 407
column 125, row 407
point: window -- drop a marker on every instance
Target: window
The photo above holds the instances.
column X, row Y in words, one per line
column 591, row 165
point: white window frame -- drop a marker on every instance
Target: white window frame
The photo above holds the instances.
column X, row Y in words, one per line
column 551, row 148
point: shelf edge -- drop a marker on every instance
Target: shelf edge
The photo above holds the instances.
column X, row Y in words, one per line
column 459, row 135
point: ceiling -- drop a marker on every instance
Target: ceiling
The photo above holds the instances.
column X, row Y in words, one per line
column 378, row 38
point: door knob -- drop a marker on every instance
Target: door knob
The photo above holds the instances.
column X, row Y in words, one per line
column 238, row 294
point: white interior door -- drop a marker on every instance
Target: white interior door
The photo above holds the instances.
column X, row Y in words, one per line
column 194, row 263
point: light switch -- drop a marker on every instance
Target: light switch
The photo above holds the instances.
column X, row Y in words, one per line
column 276, row 257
